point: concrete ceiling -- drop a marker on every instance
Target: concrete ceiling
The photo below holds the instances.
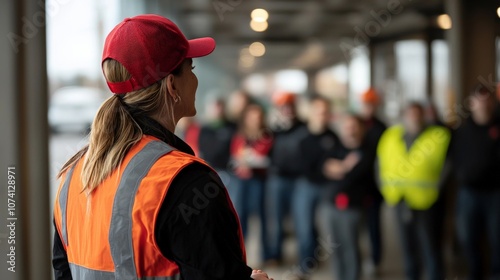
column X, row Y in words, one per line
column 301, row 34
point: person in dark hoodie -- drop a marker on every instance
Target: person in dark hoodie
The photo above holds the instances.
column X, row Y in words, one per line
column 349, row 167
column 319, row 140
column 475, row 154
column 285, row 169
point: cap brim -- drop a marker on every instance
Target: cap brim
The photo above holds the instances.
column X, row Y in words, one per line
column 200, row 47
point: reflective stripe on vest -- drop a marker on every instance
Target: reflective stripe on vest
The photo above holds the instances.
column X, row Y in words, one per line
column 78, row 272
column 120, row 232
column 63, row 202
column 412, row 174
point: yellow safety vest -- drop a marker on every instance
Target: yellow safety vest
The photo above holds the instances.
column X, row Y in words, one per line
column 412, row 174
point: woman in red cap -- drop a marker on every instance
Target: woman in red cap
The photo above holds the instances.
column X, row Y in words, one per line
column 136, row 203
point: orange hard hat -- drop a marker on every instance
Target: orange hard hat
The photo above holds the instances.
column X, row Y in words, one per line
column 284, row 98
column 370, row 96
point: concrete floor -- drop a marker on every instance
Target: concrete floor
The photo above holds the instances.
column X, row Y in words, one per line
column 391, row 267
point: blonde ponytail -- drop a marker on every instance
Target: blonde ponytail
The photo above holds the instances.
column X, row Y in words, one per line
column 114, row 130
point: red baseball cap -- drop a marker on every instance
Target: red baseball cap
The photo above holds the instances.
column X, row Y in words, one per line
column 150, row 47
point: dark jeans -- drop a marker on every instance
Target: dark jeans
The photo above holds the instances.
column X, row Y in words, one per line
column 479, row 213
column 248, row 199
column 344, row 226
column 373, row 223
column 280, row 192
column 304, row 207
column 420, row 234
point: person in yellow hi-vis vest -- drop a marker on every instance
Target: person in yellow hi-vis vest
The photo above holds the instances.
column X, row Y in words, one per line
column 411, row 166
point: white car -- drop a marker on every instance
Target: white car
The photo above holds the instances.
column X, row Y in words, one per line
column 72, row 109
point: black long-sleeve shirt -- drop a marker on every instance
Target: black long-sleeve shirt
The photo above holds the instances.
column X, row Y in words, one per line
column 315, row 148
column 475, row 155
column 374, row 130
column 285, row 155
column 205, row 245
column 214, row 143
column 356, row 183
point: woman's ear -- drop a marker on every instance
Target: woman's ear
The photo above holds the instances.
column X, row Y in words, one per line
column 171, row 87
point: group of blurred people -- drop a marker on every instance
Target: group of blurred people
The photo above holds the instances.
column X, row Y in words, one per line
column 281, row 166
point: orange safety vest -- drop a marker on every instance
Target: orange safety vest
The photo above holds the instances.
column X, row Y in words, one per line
column 110, row 233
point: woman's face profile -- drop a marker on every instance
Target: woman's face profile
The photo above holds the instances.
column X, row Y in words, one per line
column 187, row 83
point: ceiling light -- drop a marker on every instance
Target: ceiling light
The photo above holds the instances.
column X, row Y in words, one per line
column 444, row 21
column 257, row 49
column 258, row 26
column 498, row 12
column 259, row 15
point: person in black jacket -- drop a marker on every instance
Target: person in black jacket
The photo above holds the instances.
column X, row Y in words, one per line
column 475, row 154
column 285, row 169
column 319, row 140
column 374, row 128
column 214, row 141
column 349, row 167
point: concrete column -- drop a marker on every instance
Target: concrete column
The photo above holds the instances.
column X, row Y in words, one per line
column 429, row 79
column 472, row 44
column 9, row 141
column 371, row 55
column 24, row 141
